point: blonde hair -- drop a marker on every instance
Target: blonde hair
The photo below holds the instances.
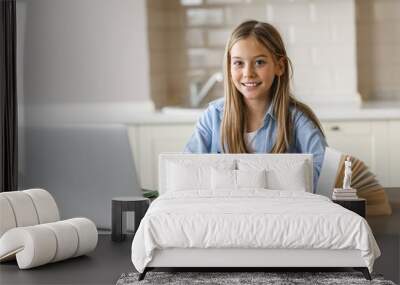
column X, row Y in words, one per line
column 234, row 119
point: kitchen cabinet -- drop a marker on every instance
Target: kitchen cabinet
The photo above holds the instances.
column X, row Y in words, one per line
column 373, row 141
column 366, row 140
column 394, row 150
column 148, row 141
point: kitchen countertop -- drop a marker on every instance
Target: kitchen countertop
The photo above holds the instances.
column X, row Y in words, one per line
column 373, row 110
column 134, row 113
column 366, row 111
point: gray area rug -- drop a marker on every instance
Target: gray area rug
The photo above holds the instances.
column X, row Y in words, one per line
column 273, row 278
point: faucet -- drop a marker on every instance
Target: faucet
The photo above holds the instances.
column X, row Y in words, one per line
column 197, row 96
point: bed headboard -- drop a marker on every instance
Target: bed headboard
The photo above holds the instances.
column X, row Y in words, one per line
column 272, row 161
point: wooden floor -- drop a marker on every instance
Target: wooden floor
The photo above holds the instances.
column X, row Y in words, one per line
column 111, row 259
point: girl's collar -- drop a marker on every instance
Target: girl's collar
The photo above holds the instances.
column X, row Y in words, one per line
column 270, row 112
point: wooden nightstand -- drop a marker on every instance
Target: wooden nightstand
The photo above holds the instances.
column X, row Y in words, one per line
column 355, row 205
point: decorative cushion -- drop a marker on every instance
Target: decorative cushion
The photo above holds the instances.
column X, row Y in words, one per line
column 236, row 179
column 251, row 179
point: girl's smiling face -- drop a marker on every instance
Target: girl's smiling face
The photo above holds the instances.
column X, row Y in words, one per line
column 253, row 69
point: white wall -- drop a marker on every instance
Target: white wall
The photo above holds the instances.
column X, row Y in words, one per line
column 80, row 61
column 77, row 55
column 85, row 51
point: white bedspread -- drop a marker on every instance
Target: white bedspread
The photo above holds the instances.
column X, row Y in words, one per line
column 250, row 219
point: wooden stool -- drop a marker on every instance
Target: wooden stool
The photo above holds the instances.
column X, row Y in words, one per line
column 139, row 205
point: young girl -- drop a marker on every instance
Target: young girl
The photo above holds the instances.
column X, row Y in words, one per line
column 258, row 114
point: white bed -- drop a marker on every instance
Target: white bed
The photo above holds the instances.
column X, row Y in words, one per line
column 247, row 210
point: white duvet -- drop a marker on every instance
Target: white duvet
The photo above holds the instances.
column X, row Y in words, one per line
column 253, row 218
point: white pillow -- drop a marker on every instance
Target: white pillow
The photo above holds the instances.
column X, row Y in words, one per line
column 181, row 177
column 189, row 174
column 251, row 178
column 236, row 179
column 282, row 174
column 293, row 179
column 223, row 179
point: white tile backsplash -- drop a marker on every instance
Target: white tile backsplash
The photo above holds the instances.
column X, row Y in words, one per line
column 337, row 11
column 343, row 34
column 217, row 37
column 197, row 57
column 219, row 2
column 299, row 55
column 333, row 55
column 313, row 12
column 312, row 79
column 269, row 9
column 214, row 58
column 308, row 34
column 235, row 14
column 204, row 17
column 205, row 58
column 320, row 36
column 292, row 12
column 190, row 2
column 344, row 79
column 194, row 37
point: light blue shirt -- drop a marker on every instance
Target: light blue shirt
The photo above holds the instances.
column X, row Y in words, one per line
column 307, row 137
